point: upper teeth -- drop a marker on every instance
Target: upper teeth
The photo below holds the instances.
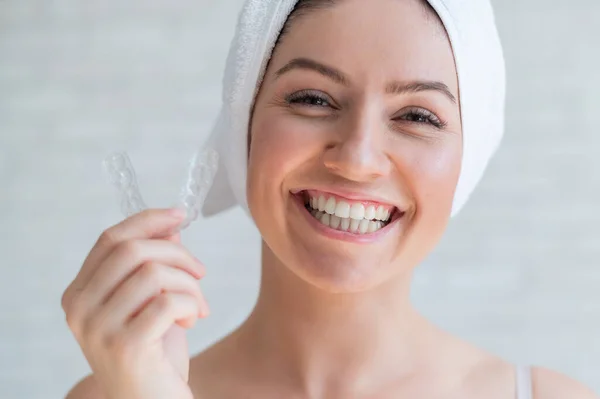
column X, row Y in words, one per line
column 355, row 210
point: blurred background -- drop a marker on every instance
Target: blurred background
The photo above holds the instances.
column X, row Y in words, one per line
column 517, row 273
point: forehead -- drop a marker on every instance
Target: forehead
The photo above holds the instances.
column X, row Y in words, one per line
column 388, row 39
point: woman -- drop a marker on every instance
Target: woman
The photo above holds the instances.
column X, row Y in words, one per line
column 370, row 128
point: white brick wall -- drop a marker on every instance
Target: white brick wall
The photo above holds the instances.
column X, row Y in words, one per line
column 517, row 272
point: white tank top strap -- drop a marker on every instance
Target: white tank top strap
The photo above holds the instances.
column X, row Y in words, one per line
column 524, row 385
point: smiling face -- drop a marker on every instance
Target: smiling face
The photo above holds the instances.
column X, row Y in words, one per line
column 356, row 143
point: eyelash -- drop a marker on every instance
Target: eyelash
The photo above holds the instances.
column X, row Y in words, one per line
column 311, row 99
column 301, row 98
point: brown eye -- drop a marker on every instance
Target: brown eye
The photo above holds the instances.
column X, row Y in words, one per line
column 422, row 116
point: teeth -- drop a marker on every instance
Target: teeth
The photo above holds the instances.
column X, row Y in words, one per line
column 345, row 225
column 354, row 224
column 334, row 222
column 341, row 215
column 342, row 209
column 373, row 226
column 321, row 203
column 357, row 211
column 370, row 212
column 330, row 206
column 379, row 214
column 364, row 226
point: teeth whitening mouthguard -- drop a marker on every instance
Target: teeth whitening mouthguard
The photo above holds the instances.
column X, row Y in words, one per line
column 201, row 173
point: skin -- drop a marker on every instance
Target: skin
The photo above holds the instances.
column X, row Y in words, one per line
column 333, row 318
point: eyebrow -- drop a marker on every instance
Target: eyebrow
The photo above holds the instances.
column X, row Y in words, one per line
column 339, row 77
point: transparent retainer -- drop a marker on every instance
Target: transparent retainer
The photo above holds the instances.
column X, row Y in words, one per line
column 201, row 174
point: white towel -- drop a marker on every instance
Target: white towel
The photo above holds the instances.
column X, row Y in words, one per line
column 479, row 62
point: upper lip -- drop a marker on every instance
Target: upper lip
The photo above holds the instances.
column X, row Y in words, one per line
column 355, row 196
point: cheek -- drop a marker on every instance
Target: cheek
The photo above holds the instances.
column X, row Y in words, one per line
column 434, row 172
column 271, row 147
column 280, row 146
column 283, row 141
column 270, row 142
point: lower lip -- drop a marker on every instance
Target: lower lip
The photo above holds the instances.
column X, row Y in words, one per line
column 343, row 235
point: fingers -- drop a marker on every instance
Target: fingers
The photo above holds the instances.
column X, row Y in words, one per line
column 148, row 282
column 151, row 223
column 126, row 259
column 160, row 314
column 176, row 238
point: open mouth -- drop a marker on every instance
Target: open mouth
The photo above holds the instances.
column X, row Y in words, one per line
column 356, row 217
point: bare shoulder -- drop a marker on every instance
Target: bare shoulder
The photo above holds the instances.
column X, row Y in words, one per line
column 549, row 384
column 87, row 388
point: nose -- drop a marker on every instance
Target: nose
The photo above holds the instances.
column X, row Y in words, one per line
column 357, row 152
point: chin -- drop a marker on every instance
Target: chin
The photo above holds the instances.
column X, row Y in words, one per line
column 341, row 273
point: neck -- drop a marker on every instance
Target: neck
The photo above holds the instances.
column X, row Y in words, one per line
column 320, row 341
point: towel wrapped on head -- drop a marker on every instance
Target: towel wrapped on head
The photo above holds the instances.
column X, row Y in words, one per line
column 479, row 60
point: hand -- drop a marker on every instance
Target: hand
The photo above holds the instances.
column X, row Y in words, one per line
column 130, row 304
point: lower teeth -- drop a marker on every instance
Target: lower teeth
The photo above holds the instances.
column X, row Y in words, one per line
column 363, row 226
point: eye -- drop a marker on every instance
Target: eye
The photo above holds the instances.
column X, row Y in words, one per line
column 309, row 99
column 422, row 116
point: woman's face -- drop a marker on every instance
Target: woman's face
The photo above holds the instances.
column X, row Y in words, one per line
column 358, row 117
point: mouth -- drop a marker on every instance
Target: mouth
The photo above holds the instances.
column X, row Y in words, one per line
column 357, row 217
